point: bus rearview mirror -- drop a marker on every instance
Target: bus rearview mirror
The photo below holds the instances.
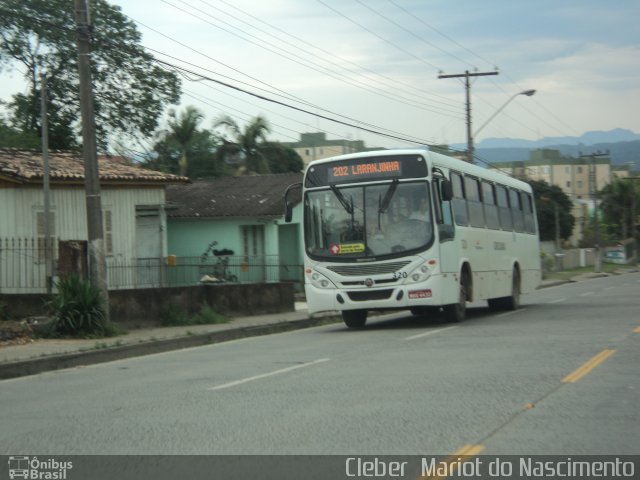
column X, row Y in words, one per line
column 446, row 190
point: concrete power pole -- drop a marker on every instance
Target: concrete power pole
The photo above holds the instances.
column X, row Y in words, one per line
column 467, row 85
column 95, row 235
column 48, row 244
column 593, row 187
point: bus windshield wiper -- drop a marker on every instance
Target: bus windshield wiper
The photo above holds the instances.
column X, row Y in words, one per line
column 343, row 201
column 384, row 204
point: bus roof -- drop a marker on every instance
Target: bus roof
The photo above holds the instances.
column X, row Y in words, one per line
column 440, row 160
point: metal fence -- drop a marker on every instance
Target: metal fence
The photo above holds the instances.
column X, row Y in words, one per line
column 182, row 271
column 22, row 269
column 22, row 265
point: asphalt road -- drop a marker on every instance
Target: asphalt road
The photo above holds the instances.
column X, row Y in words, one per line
column 559, row 376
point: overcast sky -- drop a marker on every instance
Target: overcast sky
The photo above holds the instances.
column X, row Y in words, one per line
column 375, row 63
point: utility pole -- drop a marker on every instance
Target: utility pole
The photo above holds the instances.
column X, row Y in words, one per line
column 48, row 250
column 593, row 187
column 467, row 85
column 95, row 235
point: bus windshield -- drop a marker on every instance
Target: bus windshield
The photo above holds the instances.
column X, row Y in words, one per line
column 368, row 221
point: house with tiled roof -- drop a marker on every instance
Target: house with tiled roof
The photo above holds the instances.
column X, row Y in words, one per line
column 238, row 221
column 133, row 206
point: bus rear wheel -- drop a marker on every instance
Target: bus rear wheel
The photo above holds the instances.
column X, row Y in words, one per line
column 512, row 302
column 354, row 318
column 456, row 312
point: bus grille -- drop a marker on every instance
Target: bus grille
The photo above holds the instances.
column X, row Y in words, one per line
column 367, row 269
column 365, row 295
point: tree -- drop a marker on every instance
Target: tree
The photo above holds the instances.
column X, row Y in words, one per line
column 245, row 147
column 282, row 158
column 13, row 138
column 131, row 90
column 619, row 199
column 547, row 198
column 185, row 149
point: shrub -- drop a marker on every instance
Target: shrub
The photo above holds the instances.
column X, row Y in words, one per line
column 78, row 309
column 205, row 316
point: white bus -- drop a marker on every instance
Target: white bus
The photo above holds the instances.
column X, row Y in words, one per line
column 415, row 230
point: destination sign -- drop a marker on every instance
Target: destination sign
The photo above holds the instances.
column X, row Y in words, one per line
column 366, row 169
column 371, row 169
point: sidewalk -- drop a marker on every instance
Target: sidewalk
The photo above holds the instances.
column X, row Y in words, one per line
column 41, row 355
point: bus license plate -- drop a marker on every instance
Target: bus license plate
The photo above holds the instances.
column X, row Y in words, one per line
column 420, row 294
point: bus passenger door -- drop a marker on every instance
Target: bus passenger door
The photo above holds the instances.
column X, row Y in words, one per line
column 447, row 245
column 449, row 253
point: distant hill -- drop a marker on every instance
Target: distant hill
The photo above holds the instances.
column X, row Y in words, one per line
column 622, row 144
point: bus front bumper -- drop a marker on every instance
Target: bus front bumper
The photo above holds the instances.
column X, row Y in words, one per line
column 437, row 290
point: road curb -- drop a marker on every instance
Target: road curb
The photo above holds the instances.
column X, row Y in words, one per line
column 34, row 366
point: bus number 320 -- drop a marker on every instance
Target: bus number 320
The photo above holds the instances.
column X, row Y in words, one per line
column 399, row 275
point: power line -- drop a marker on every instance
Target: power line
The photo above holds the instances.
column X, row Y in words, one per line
column 431, row 27
column 298, row 40
column 293, row 107
column 303, row 61
column 389, row 42
column 414, row 35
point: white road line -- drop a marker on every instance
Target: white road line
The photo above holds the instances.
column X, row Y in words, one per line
column 586, row 294
column 268, row 374
column 558, row 300
column 512, row 312
column 430, row 332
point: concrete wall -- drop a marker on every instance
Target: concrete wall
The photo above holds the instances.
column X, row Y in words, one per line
column 148, row 304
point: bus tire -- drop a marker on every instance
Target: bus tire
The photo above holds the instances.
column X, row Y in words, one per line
column 456, row 312
column 512, row 302
column 354, row 318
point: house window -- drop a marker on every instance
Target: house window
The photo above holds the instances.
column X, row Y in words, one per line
column 253, row 240
column 579, row 183
column 579, row 169
column 568, row 184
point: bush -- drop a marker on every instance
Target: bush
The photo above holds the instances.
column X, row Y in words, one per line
column 205, row 316
column 78, row 309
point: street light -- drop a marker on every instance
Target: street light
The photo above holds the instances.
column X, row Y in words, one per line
column 527, row 93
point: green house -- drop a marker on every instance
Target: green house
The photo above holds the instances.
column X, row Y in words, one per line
column 232, row 229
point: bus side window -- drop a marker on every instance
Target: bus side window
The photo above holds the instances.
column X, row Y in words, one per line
column 516, row 210
column 529, row 217
column 490, row 207
column 504, row 212
column 459, row 203
column 474, row 202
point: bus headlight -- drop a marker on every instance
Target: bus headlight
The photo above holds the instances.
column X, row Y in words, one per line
column 420, row 274
column 318, row 280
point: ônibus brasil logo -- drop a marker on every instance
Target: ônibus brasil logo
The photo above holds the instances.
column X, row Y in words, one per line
column 21, row 466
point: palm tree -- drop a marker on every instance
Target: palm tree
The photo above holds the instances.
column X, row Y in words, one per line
column 245, row 146
column 183, row 131
column 619, row 200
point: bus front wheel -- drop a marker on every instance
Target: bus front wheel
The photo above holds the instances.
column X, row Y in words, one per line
column 456, row 312
column 354, row 318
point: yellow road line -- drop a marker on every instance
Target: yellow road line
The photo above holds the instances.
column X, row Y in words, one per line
column 451, row 463
column 580, row 372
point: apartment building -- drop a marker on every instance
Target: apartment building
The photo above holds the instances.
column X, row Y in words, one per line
column 314, row 146
column 579, row 178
